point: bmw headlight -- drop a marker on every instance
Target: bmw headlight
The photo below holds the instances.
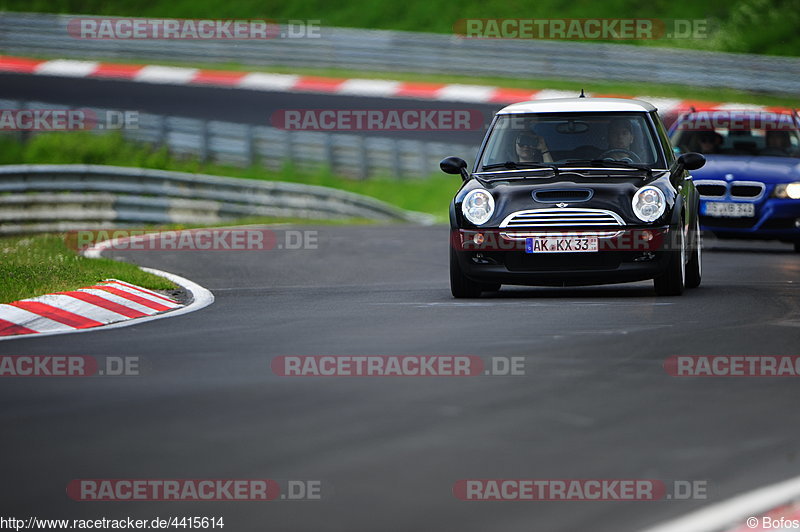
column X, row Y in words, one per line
column 478, row 206
column 788, row 190
column 649, row 203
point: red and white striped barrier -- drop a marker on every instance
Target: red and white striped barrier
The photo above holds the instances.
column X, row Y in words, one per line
column 315, row 84
column 108, row 302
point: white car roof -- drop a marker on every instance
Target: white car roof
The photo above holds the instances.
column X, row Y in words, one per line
column 570, row 105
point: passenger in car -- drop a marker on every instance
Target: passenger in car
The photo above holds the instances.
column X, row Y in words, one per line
column 532, row 148
column 777, row 143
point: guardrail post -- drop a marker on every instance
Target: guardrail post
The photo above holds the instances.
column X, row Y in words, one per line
column 249, row 145
column 290, row 152
column 329, row 160
column 363, row 160
column 22, row 134
column 423, row 160
column 162, row 131
column 397, row 159
column 204, row 144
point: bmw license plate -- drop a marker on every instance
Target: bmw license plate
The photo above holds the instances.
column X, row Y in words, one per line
column 542, row 244
column 729, row 210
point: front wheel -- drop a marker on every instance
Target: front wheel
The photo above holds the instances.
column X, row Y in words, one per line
column 797, row 247
column 673, row 281
column 460, row 286
column 694, row 270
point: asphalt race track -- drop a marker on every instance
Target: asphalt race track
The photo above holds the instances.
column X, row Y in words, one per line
column 225, row 104
column 595, row 401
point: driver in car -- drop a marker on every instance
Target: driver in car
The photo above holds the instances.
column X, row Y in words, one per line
column 620, row 140
column 532, row 148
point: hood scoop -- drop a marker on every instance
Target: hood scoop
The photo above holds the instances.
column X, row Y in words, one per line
column 568, row 195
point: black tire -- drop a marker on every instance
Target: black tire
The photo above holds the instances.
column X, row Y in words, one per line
column 673, row 281
column 797, row 247
column 460, row 286
column 694, row 269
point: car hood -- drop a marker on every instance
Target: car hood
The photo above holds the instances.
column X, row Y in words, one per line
column 566, row 174
column 769, row 170
column 610, row 190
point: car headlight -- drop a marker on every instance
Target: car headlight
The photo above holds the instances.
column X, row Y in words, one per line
column 649, row 203
column 478, row 206
column 788, row 190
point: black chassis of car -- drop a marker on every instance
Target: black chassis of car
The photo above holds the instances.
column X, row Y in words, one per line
column 672, row 258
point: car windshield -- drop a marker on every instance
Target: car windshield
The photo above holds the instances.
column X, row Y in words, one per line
column 588, row 139
column 756, row 134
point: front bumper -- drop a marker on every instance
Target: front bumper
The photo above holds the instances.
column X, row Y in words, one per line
column 625, row 256
column 775, row 219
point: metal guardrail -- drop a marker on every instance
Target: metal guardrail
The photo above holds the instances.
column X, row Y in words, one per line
column 396, row 51
column 38, row 198
column 244, row 145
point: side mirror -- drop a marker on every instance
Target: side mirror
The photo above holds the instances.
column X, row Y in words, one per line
column 691, row 161
column 454, row 165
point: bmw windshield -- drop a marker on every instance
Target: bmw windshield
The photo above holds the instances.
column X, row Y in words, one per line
column 759, row 134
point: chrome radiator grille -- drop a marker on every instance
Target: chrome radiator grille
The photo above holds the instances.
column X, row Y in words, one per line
column 569, row 218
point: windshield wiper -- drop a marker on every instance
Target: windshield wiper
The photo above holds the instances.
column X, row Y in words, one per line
column 512, row 165
column 606, row 163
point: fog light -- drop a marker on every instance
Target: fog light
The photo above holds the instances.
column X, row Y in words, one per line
column 797, row 223
column 478, row 238
column 479, row 258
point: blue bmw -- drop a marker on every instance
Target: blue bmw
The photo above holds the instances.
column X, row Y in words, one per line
column 750, row 184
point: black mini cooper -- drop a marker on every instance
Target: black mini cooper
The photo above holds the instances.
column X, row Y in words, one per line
column 575, row 191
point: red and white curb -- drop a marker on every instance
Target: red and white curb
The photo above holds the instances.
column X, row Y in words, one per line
column 316, row 84
column 107, row 302
column 107, row 305
column 760, row 509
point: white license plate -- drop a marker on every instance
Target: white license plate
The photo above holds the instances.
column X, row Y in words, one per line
column 730, row 210
column 546, row 244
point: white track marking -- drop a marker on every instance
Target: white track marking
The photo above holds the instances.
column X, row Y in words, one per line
column 67, row 68
column 734, row 511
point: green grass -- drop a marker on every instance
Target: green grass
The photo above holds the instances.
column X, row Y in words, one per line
column 753, row 26
column 34, row 265
column 431, row 194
